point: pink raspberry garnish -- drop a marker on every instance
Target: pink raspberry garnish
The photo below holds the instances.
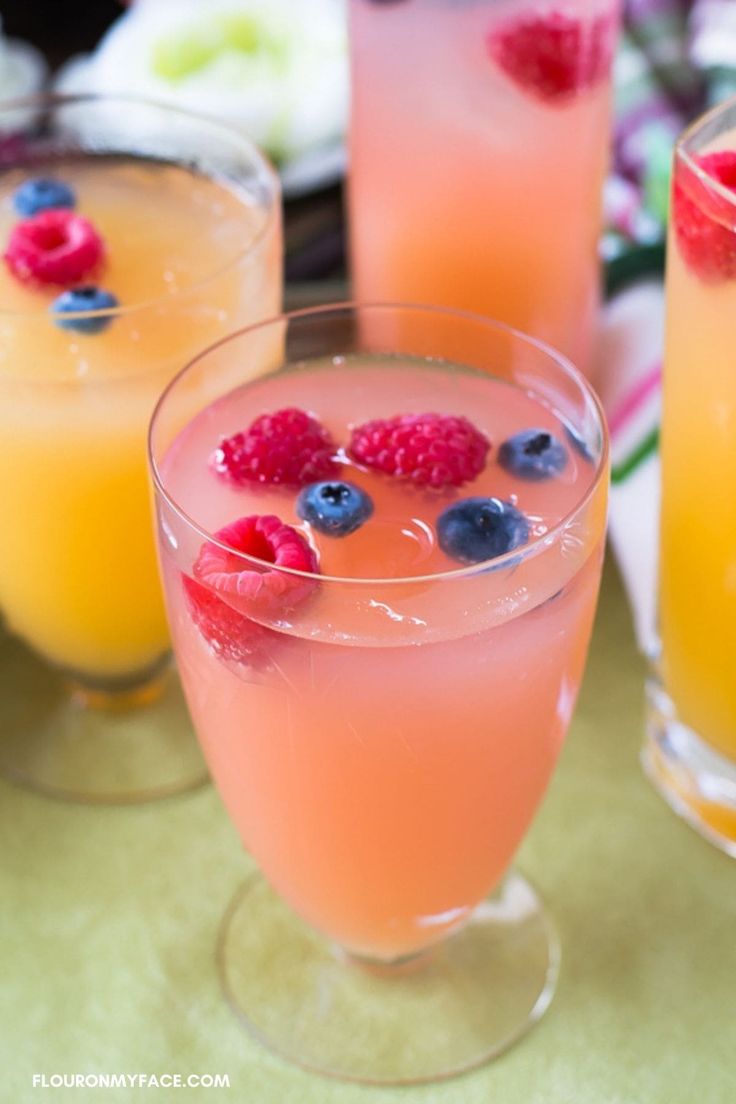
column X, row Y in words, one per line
column 54, row 247
column 230, row 634
column 554, row 55
column 699, row 213
column 289, row 447
column 250, row 589
column 431, row 450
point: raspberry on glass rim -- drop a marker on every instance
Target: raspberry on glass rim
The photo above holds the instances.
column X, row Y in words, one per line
column 250, row 590
column 230, row 634
column 702, row 218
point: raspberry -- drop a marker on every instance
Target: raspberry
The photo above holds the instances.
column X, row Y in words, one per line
column 289, row 447
column 54, row 247
column 554, row 56
column 230, row 635
column 699, row 212
column 432, row 450
column 251, row 590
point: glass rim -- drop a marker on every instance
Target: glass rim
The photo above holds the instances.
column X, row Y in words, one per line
column 684, row 154
column 47, row 101
column 344, row 307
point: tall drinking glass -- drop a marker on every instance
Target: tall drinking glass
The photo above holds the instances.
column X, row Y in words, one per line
column 381, row 627
column 690, row 751
column 478, row 147
column 133, row 236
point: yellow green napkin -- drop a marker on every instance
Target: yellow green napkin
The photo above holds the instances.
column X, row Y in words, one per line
column 109, row 921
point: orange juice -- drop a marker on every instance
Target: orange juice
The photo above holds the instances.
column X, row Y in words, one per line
column 698, row 570
column 382, row 744
column 188, row 257
column 479, row 143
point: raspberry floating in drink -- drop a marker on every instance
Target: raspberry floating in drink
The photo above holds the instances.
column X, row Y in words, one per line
column 554, row 55
column 288, row 447
column 429, row 450
column 54, row 247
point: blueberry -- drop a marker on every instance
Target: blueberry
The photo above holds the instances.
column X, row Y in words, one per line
column 335, row 509
column 87, row 298
column 41, row 194
column 477, row 529
column 533, row 454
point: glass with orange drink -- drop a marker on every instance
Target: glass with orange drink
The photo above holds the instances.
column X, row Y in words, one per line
column 132, row 235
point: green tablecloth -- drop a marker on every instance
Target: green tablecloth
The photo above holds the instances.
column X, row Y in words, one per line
column 110, row 918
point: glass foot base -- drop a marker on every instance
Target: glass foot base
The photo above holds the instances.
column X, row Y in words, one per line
column 697, row 782
column 439, row 1014
column 107, row 747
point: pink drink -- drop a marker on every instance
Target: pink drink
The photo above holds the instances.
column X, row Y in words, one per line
column 384, row 750
column 479, row 143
